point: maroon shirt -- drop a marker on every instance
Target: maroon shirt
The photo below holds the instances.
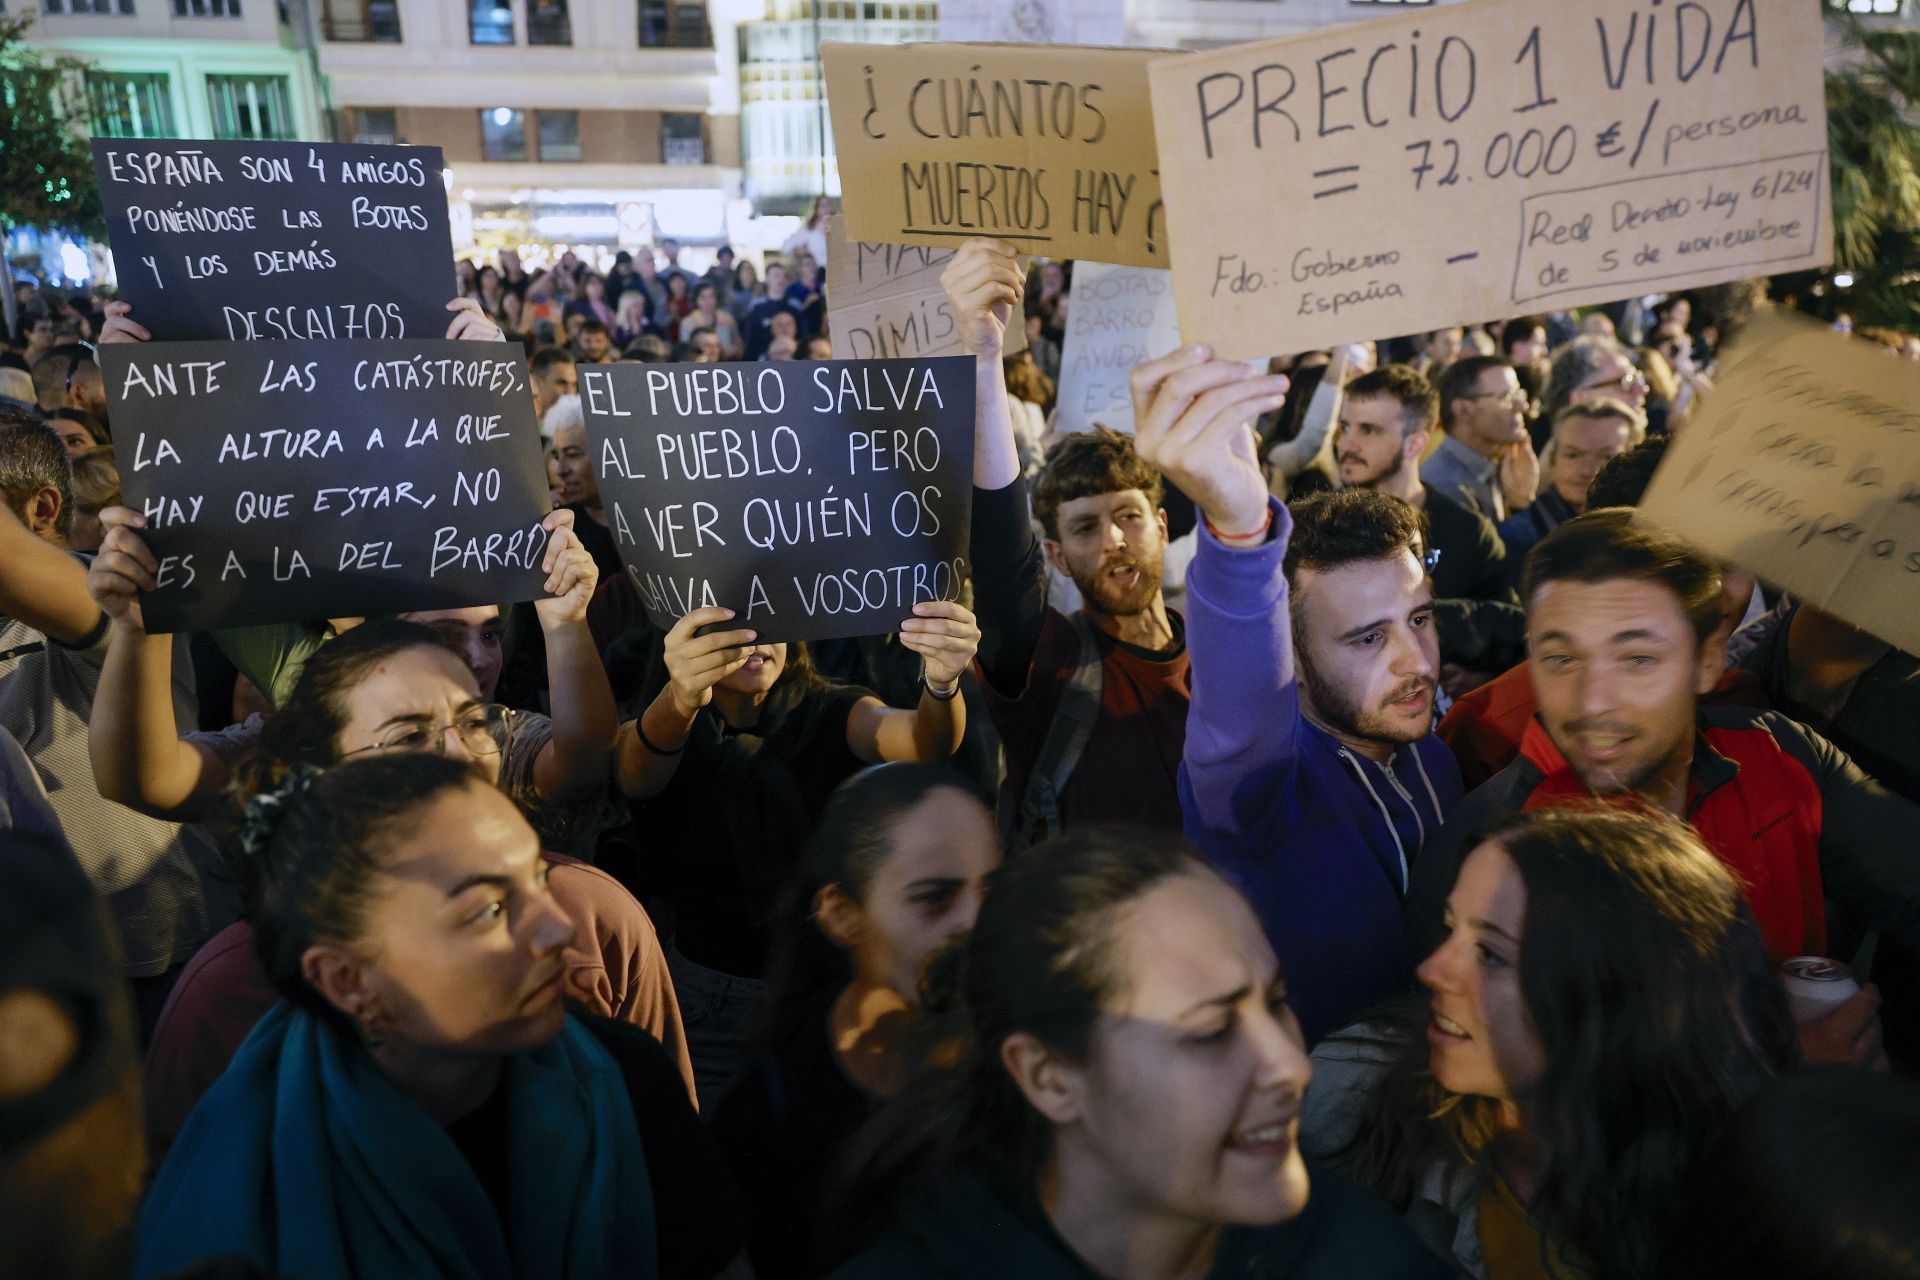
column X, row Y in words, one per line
column 1130, row 768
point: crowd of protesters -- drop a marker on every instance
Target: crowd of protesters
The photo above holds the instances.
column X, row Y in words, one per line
column 1334, row 837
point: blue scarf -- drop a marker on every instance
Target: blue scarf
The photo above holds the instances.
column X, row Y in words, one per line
column 303, row 1160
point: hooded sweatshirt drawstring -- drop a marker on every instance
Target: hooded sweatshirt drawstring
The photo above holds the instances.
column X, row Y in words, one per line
column 1393, row 830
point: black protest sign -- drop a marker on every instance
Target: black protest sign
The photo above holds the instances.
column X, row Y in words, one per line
column 815, row 499
column 288, row 240
column 295, row 480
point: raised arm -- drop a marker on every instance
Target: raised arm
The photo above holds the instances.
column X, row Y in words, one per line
column 471, row 324
column 40, row 584
column 1191, row 416
column 139, row 758
column 648, row 749
column 1291, row 457
column 984, row 287
column 585, row 722
column 945, row 636
column 984, row 290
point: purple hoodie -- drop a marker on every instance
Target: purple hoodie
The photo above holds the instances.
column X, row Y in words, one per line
column 1320, row 839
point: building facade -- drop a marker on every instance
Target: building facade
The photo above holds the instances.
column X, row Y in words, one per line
column 786, row 139
column 187, row 68
column 236, row 69
column 590, row 123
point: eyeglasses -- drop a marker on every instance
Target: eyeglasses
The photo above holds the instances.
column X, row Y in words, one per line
column 1517, row 395
column 1626, row 382
column 482, row 731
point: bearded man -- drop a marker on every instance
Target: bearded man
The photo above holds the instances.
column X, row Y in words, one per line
column 1091, row 706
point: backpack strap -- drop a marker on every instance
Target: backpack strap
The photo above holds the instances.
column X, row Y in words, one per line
column 1067, row 735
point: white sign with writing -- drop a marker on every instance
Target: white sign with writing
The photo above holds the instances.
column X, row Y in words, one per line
column 1116, row 318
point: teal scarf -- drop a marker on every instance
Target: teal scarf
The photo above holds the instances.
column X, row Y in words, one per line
column 303, row 1160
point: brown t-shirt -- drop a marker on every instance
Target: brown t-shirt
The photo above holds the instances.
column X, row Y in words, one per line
column 1129, row 770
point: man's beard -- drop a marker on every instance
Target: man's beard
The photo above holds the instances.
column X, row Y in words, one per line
column 1102, row 596
column 1368, row 482
column 1340, row 710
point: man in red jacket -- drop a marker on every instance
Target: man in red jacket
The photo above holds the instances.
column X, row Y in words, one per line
column 1621, row 630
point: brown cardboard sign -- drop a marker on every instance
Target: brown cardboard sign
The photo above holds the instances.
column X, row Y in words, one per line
column 885, row 301
column 1049, row 147
column 1489, row 159
column 1803, row 465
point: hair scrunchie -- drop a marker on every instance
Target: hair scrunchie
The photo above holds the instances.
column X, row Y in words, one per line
column 264, row 811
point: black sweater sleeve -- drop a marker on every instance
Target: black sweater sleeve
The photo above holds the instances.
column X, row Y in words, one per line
column 1867, row 854
column 696, row 1206
column 1009, row 585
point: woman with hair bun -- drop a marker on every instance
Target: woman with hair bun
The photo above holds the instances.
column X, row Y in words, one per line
column 892, row 874
column 1601, row 1003
column 423, row 1102
column 1122, row 1099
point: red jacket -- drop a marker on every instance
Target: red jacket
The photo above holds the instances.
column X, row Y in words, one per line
column 1484, row 727
column 1788, row 813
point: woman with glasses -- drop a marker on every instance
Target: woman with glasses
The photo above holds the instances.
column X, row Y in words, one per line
column 140, row 761
column 426, row 1100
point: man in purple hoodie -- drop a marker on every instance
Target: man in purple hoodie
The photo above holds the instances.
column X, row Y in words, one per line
column 1312, row 776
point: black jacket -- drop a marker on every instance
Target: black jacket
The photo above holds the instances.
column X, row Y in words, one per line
column 1473, row 560
column 959, row 1228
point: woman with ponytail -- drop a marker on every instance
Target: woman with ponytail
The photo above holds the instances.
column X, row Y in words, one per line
column 1122, row 1098
column 891, row 875
column 423, row 1102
